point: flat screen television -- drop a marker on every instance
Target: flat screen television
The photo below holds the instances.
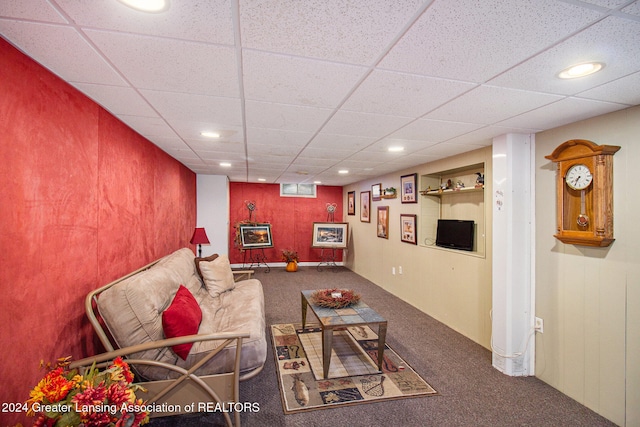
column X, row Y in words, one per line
column 455, row 234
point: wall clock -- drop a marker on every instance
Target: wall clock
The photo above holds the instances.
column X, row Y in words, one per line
column 584, row 192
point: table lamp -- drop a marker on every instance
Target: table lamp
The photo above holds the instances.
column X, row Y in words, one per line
column 199, row 238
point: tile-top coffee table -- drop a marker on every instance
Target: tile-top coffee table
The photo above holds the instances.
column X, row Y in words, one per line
column 359, row 314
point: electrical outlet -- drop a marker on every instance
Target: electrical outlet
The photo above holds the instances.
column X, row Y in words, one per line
column 539, row 325
column 400, row 270
column 393, row 271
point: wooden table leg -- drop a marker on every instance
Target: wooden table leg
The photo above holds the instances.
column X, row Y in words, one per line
column 382, row 335
column 327, row 338
column 304, row 310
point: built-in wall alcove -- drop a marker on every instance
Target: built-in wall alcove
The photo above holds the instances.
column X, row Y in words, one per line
column 456, row 194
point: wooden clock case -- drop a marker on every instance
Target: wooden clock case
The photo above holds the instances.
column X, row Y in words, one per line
column 598, row 196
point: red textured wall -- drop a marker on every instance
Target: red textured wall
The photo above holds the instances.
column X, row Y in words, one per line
column 84, row 201
column 291, row 218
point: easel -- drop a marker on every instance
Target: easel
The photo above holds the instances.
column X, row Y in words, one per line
column 256, row 259
column 329, row 258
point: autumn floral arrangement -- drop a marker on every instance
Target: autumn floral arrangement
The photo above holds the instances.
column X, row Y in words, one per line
column 64, row 397
column 335, row 298
column 289, row 255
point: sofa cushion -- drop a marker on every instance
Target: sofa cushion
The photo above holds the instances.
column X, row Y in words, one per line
column 182, row 318
column 239, row 310
column 217, row 275
column 198, row 260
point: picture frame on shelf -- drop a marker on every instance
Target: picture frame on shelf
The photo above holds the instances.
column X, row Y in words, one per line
column 330, row 235
column 376, row 192
column 351, row 203
column 383, row 222
column 365, row 206
column 408, row 231
column 256, row 236
column 408, row 188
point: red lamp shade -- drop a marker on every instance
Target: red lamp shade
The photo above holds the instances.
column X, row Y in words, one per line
column 199, row 237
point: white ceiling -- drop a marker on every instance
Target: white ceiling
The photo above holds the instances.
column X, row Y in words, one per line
column 300, row 89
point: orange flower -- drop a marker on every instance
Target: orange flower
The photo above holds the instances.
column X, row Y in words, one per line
column 126, row 371
column 54, row 387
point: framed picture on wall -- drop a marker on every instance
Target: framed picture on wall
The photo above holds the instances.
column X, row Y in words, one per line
column 408, row 185
column 383, row 222
column 330, row 235
column 351, row 203
column 408, row 228
column 365, row 206
column 376, row 192
column 256, row 236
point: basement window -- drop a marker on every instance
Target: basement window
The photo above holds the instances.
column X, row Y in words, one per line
column 298, row 190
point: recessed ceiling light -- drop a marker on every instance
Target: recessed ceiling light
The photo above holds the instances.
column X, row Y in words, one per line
column 208, row 134
column 225, row 164
column 343, row 171
column 395, row 149
column 151, row 6
column 317, row 182
column 581, row 70
column 261, row 179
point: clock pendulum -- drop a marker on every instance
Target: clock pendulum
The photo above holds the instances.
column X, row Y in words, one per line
column 579, row 178
column 583, row 219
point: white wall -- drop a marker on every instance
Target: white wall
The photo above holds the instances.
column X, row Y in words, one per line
column 212, row 213
column 589, row 298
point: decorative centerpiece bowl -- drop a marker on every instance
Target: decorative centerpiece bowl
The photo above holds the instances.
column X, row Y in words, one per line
column 335, row 298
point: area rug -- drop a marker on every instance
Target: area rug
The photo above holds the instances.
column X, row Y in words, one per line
column 353, row 374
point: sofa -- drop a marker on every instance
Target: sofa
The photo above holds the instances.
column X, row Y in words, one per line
column 184, row 317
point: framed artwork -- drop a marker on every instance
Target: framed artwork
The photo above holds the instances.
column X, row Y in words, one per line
column 256, row 236
column 365, row 206
column 376, row 192
column 383, row 222
column 408, row 191
column 408, row 228
column 351, row 203
column 330, row 235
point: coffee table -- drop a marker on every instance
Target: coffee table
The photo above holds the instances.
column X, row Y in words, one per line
column 359, row 314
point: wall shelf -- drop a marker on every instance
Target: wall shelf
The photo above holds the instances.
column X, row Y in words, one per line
column 439, row 193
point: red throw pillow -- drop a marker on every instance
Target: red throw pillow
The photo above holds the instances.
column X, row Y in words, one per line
column 182, row 318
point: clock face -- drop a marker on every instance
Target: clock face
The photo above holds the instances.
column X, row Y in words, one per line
column 578, row 177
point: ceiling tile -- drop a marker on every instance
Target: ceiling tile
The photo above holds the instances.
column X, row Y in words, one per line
column 402, row 94
column 293, row 140
column 490, row 104
column 349, row 31
column 117, row 99
column 208, row 21
column 329, row 141
column 38, row 10
column 614, row 41
column 433, row 131
column 616, row 91
column 170, row 65
column 298, row 81
column 62, row 50
column 445, row 40
column 271, row 115
column 565, row 111
column 153, row 128
column 216, row 110
column 364, row 124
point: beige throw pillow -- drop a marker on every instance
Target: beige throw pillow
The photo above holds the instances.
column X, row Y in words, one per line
column 217, row 275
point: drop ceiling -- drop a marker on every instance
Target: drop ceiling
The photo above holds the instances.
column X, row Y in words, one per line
column 300, row 89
